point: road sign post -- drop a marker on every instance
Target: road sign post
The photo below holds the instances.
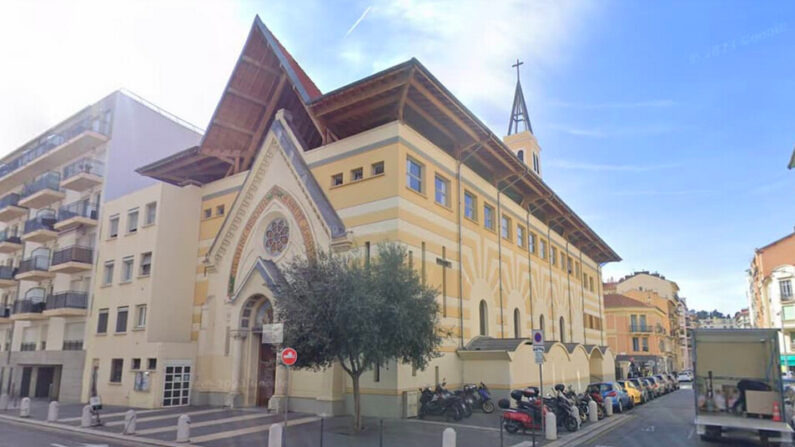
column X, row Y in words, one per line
column 538, row 350
column 288, row 356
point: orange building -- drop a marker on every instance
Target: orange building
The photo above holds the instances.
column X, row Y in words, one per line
column 638, row 331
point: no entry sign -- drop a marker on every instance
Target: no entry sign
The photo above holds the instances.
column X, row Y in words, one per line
column 289, row 356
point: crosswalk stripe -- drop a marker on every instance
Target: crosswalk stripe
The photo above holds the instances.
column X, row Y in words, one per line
column 168, row 416
column 110, row 415
column 248, row 431
column 206, row 423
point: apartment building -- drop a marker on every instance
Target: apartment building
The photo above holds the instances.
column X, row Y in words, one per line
column 770, row 292
column 52, row 192
column 637, row 331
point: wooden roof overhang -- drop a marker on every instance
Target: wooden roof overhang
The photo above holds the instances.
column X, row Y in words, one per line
column 410, row 93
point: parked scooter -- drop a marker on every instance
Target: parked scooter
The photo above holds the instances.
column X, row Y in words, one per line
column 565, row 411
column 466, row 409
column 600, row 407
column 477, row 397
column 580, row 401
column 435, row 404
column 528, row 414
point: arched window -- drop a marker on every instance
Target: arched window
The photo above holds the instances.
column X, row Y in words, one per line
column 517, row 324
column 562, row 330
column 484, row 318
column 520, row 154
column 541, row 326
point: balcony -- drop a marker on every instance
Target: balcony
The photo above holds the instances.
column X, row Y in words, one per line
column 640, row 328
column 28, row 309
column 9, row 242
column 10, row 209
column 5, row 314
column 75, row 214
column 81, row 134
column 7, row 277
column 35, row 268
column 72, row 259
column 73, row 345
column 63, row 304
column 40, row 230
column 43, row 191
column 82, row 174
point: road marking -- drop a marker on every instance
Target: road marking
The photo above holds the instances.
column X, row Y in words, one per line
column 650, row 428
column 247, row 431
column 206, row 423
column 168, row 416
column 111, row 415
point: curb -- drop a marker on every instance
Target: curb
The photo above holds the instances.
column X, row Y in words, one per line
column 97, row 433
column 583, row 435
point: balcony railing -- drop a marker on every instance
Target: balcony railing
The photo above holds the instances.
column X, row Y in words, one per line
column 7, row 272
column 31, row 346
column 84, row 166
column 75, row 253
column 78, row 209
column 28, row 306
column 39, row 223
column 49, row 180
column 67, row 300
column 8, row 236
column 640, row 328
column 97, row 123
column 73, row 345
column 5, row 312
column 9, row 200
column 38, row 262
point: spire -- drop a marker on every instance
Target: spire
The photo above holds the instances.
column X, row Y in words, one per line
column 519, row 110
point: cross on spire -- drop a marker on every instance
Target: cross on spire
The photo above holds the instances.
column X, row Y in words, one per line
column 519, row 109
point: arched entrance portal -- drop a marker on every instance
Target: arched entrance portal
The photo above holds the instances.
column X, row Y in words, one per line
column 256, row 312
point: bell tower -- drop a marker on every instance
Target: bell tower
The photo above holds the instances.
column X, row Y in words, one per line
column 520, row 138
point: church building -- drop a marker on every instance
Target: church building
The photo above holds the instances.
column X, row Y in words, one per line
column 285, row 170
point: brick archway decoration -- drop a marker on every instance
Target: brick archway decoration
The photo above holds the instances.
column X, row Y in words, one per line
column 279, row 194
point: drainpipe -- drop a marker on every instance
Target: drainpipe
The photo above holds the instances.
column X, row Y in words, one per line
column 478, row 146
column 549, row 263
column 499, row 245
column 530, row 267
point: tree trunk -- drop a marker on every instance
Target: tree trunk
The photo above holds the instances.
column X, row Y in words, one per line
column 357, row 404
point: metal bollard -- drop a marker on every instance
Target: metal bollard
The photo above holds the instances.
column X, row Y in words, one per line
column 4, row 401
column 183, row 428
column 551, row 426
column 608, row 406
column 85, row 417
column 593, row 411
column 275, row 436
column 24, row 408
column 448, row 437
column 52, row 411
column 130, row 419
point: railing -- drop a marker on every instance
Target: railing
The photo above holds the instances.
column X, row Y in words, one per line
column 639, row 328
column 75, row 253
column 7, row 272
column 49, row 180
column 9, row 200
column 8, row 236
column 73, row 345
column 27, row 346
column 39, row 223
column 38, row 262
column 81, row 208
column 28, row 306
column 5, row 312
column 35, row 149
column 67, row 300
column 84, row 166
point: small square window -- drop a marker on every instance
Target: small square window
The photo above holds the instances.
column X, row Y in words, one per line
column 146, row 263
column 531, row 242
column 470, row 206
column 102, row 321
column 505, row 229
column 336, row 179
column 121, row 319
column 357, row 174
column 488, row 217
column 151, row 364
column 140, row 316
column 377, row 168
column 107, row 276
column 220, row 210
column 414, row 175
column 113, row 226
column 132, row 220
column 520, row 236
column 542, row 248
column 442, row 194
column 208, row 213
column 151, row 213
column 116, row 366
column 136, row 364
column 126, row 269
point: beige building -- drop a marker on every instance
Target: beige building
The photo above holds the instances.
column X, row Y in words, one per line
column 52, row 193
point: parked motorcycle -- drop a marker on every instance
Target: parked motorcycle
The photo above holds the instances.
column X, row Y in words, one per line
column 466, row 409
column 477, row 397
column 580, row 401
column 434, row 403
column 565, row 411
column 528, row 414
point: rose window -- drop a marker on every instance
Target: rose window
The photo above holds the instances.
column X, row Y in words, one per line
column 277, row 234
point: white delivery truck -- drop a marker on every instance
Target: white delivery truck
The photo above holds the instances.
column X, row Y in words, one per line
column 738, row 386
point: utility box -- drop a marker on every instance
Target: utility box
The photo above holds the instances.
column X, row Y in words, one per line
column 411, row 402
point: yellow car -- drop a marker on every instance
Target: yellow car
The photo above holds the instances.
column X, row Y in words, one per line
column 633, row 391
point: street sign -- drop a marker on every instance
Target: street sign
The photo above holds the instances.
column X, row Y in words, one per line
column 538, row 338
column 289, row 356
column 538, row 349
column 539, row 356
column 273, row 334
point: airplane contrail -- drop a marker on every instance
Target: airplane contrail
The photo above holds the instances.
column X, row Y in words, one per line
column 358, row 21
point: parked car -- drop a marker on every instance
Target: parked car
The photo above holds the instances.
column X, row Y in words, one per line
column 632, row 391
column 672, row 379
column 659, row 386
column 613, row 390
column 645, row 393
column 666, row 384
column 684, row 377
column 654, row 387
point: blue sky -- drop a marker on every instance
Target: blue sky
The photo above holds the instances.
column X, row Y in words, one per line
column 667, row 126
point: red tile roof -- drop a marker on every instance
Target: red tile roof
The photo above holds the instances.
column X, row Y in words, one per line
column 618, row 300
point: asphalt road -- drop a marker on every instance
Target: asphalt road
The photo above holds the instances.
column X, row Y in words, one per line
column 17, row 435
